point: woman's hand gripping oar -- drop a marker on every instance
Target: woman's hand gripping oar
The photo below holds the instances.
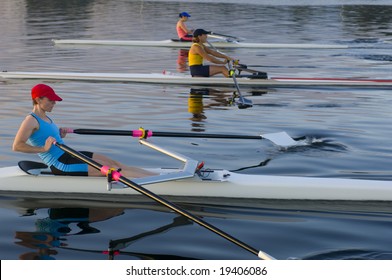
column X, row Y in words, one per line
column 116, row 176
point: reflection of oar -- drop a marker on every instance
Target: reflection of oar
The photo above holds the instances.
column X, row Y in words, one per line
column 279, row 138
column 116, row 245
column 156, row 256
column 142, row 256
column 118, row 177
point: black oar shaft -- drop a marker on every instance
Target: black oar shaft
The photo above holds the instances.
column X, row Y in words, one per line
column 205, row 135
column 166, row 203
column 103, row 132
column 164, row 134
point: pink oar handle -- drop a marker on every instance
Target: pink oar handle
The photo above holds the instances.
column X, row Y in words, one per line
column 115, row 174
column 140, row 133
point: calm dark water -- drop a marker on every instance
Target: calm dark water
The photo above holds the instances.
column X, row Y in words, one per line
column 350, row 128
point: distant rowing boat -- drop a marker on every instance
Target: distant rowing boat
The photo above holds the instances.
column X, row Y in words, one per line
column 182, row 79
column 179, row 44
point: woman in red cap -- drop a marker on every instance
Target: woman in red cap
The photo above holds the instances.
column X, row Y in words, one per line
column 198, row 52
column 184, row 34
column 38, row 132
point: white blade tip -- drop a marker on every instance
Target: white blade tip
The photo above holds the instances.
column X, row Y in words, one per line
column 280, row 139
column 264, row 256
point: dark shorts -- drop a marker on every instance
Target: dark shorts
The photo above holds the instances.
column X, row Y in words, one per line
column 73, row 163
column 186, row 38
column 200, row 70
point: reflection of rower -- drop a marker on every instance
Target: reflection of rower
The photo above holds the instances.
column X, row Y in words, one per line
column 51, row 231
column 116, row 246
column 196, row 105
column 195, row 101
column 196, row 108
column 182, row 60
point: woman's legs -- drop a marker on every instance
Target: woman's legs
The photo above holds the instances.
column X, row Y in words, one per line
column 126, row 171
column 215, row 69
column 187, row 38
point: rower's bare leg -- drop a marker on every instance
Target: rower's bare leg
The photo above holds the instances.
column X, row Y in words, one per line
column 127, row 171
column 215, row 69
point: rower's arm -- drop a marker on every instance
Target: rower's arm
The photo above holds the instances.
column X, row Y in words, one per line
column 182, row 25
column 206, row 54
column 218, row 54
column 28, row 126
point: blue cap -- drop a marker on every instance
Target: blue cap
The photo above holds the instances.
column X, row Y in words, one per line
column 184, row 14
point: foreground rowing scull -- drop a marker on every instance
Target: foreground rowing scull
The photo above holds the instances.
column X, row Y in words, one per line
column 178, row 44
column 31, row 177
column 183, row 79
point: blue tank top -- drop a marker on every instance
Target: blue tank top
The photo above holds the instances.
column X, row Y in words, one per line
column 39, row 137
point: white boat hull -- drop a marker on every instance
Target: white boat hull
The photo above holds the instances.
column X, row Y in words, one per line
column 217, row 184
column 178, row 44
column 178, row 79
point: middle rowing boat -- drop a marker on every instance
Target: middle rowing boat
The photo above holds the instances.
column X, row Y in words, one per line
column 179, row 44
column 184, row 79
column 30, row 178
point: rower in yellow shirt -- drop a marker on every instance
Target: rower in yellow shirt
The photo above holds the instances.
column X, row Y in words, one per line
column 198, row 52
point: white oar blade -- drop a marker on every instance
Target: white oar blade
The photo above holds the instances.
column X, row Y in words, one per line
column 264, row 256
column 280, row 139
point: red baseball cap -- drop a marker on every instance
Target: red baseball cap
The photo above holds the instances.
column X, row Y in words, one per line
column 42, row 90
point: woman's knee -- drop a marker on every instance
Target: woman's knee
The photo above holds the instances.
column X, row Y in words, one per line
column 104, row 160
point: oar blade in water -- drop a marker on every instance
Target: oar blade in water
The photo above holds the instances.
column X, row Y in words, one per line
column 281, row 139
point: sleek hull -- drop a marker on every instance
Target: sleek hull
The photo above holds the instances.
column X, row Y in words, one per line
column 215, row 184
column 179, row 44
column 182, row 79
